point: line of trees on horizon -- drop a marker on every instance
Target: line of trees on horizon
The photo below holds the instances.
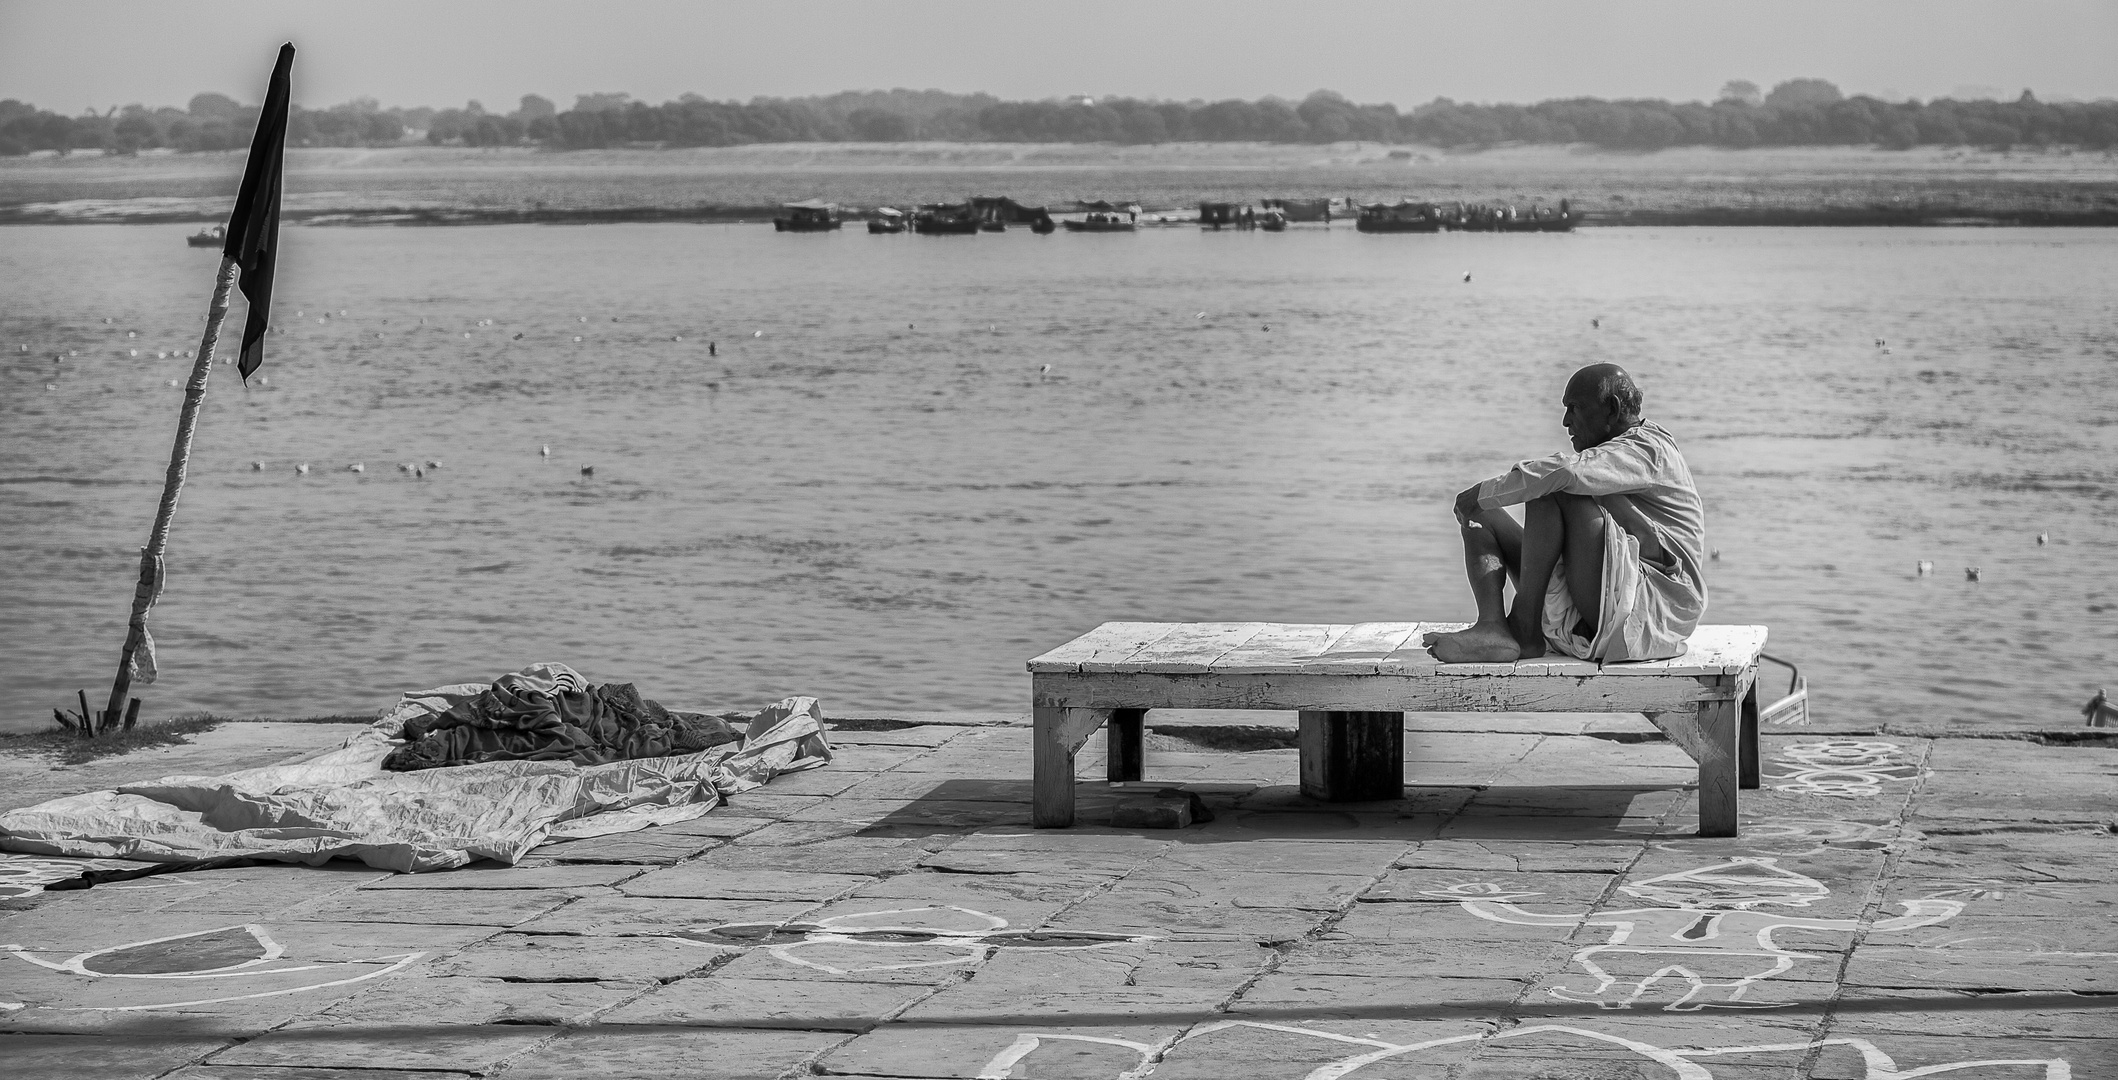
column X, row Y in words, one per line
column 1798, row 112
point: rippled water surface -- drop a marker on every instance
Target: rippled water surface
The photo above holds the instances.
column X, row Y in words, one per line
column 872, row 495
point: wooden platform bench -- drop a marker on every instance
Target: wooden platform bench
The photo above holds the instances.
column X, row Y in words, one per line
column 1352, row 685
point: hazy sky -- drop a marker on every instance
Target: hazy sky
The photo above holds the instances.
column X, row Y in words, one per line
column 67, row 55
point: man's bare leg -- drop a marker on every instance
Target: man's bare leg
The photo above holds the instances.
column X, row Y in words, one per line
column 1584, row 557
column 1557, row 524
column 1489, row 640
column 1544, row 539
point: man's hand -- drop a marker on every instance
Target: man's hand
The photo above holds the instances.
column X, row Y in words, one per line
column 1467, row 505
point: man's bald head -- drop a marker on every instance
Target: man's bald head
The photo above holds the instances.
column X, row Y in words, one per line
column 1601, row 402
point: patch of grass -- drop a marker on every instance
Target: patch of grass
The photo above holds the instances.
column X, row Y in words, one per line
column 67, row 747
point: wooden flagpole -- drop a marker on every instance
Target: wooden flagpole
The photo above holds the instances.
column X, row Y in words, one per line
column 150, row 585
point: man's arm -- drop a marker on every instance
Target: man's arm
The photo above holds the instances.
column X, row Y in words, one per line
column 1621, row 466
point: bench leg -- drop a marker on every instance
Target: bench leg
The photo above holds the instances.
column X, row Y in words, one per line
column 1747, row 772
column 1719, row 779
column 1353, row 756
column 1125, row 744
column 1059, row 733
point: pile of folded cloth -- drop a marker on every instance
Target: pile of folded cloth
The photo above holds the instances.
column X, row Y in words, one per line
column 548, row 712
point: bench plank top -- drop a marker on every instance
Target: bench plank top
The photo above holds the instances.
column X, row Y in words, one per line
column 1253, row 648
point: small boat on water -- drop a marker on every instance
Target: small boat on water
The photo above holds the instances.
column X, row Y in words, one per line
column 1272, row 221
column 945, row 219
column 1044, row 225
column 1401, row 216
column 886, row 220
column 811, row 216
column 1099, row 221
column 1300, row 209
column 213, row 237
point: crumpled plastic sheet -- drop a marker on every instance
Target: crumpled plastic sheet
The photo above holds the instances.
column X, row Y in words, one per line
column 342, row 805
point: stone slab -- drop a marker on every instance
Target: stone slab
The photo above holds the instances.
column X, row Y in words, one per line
column 469, row 907
column 565, row 958
column 935, row 1051
column 1442, row 922
column 869, row 856
column 1362, row 858
column 273, row 1072
column 709, row 882
column 1077, row 839
column 626, row 916
column 953, row 814
column 457, row 1001
column 958, row 859
column 1218, row 1050
column 648, row 1053
column 719, row 824
column 1162, row 915
column 1293, row 998
column 769, row 1003
column 496, row 876
column 406, row 1044
column 1466, row 957
column 649, row 847
column 828, row 781
column 765, row 804
column 1066, row 1007
column 1555, row 829
column 100, row 1057
column 1917, row 1055
column 1523, row 857
column 1872, row 1012
column 1023, row 901
column 1539, row 892
column 1201, row 889
column 1974, row 968
column 1590, row 800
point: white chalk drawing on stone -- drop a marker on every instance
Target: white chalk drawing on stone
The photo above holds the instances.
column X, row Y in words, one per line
column 1682, row 1064
column 940, row 935
column 25, row 875
column 1993, row 889
column 1843, row 768
column 1707, row 939
column 246, row 953
column 1796, row 837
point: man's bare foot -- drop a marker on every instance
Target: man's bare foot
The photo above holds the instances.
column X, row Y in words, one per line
column 1530, row 641
column 1484, row 643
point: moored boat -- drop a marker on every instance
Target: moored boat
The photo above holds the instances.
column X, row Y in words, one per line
column 811, row 216
column 886, row 220
column 945, row 219
column 1402, row 216
column 1099, row 221
column 213, row 237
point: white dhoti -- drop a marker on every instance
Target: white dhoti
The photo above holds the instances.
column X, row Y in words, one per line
column 1646, row 614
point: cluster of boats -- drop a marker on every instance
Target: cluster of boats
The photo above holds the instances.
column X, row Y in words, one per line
column 998, row 213
column 1409, row 216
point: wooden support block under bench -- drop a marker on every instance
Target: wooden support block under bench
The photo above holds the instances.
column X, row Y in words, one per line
column 1352, row 685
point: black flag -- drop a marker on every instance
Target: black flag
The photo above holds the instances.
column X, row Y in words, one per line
column 253, row 230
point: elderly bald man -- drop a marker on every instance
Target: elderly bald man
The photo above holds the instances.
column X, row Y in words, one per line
column 1606, row 559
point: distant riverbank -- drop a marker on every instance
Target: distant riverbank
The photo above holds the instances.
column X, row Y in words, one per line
column 456, row 186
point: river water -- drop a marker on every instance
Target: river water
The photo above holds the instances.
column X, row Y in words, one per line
column 831, row 464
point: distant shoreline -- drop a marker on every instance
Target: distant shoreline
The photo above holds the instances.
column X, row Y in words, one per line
column 1776, row 217
column 435, row 186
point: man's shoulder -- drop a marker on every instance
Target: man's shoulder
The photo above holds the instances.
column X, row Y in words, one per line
column 1651, row 433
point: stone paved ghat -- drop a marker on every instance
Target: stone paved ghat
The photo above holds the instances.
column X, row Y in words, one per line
column 1894, row 908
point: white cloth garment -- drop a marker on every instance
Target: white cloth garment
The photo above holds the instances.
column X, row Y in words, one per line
column 1648, row 610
